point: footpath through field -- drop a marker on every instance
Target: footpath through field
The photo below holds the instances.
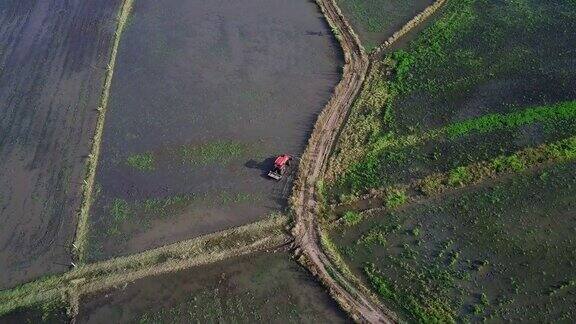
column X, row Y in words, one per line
column 306, row 231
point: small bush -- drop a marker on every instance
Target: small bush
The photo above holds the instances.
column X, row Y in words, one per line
column 459, row 176
column 352, row 218
column 120, row 210
column 395, row 197
column 509, row 163
column 431, row 185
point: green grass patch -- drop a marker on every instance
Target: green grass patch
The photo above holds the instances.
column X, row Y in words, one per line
column 217, row 152
column 420, row 310
column 491, row 122
column 485, row 253
column 142, row 161
column 368, row 172
column 395, row 197
column 351, row 218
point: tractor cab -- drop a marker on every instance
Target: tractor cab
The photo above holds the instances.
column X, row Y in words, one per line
column 281, row 163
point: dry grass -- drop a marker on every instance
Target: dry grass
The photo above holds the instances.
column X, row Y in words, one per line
column 81, row 238
column 266, row 234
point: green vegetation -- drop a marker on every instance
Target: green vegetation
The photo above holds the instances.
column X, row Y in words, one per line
column 471, row 130
column 124, row 214
column 498, row 252
column 49, row 312
column 216, row 152
column 220, row 152
column 376, row 20
column 351, row 218
column 434, row 92
column 81, row 238
column 548, row 115
column 142, row 162
column 491, row 122
column 395, row 197
column 94, row 277
column 422, row 310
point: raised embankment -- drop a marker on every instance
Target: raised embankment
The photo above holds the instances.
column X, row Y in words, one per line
column 361, row 306
column 80, row 239
column 69, row 287
column 313, row 165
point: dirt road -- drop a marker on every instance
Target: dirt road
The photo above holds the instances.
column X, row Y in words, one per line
column 306, row 231
column 313, row 165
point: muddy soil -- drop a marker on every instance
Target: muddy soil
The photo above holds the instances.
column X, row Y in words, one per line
column 53, row 56
column 376, row 20
column 47, row 313
column 510, row 57
column 501, row 252
column 205, row 93
column 258, row 288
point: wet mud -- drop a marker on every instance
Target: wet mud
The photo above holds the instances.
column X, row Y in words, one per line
column 53, row 56
column 258, row 288
column 204, row 95
column 376, row 20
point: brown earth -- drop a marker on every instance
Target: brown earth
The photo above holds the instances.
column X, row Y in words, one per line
column 53, row 56
column 312, row 166
column 307, row 232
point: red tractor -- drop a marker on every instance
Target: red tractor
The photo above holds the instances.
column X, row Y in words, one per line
column 281, row 163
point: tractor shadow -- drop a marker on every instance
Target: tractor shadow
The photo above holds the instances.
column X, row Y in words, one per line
column 282, row 188
column 263, row 166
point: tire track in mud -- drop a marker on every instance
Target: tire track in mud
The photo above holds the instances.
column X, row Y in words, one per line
column 360, row 305
column 313, row 165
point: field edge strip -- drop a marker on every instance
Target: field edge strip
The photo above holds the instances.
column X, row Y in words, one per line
column 80, row 241
column 397, row 195
column 69, row 287
column 409, row 26
column 306, row 230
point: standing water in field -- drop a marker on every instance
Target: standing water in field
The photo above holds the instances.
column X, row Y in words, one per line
column 53, row 57
column 204, row 95
column 268, row 288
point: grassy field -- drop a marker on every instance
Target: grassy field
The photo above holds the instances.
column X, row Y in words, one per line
column 502, row 251
column 470, row 80
column 465, row 139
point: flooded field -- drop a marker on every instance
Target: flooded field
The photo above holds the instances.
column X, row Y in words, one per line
column 264, row 288
column 204, row 95
column 478, row 77
column 47, row 313
column 465, row 138
column 502, row 252
column 487, row 57
column 53, row 56
column 376, row 20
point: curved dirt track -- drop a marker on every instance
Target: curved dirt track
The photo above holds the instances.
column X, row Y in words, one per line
column 313, row 165
column 306, row 230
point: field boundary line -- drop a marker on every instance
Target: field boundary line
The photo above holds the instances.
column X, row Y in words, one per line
column 307, row 231
column 81, row 237
column 408, row 27
column 68, row 288
column 463, row 177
